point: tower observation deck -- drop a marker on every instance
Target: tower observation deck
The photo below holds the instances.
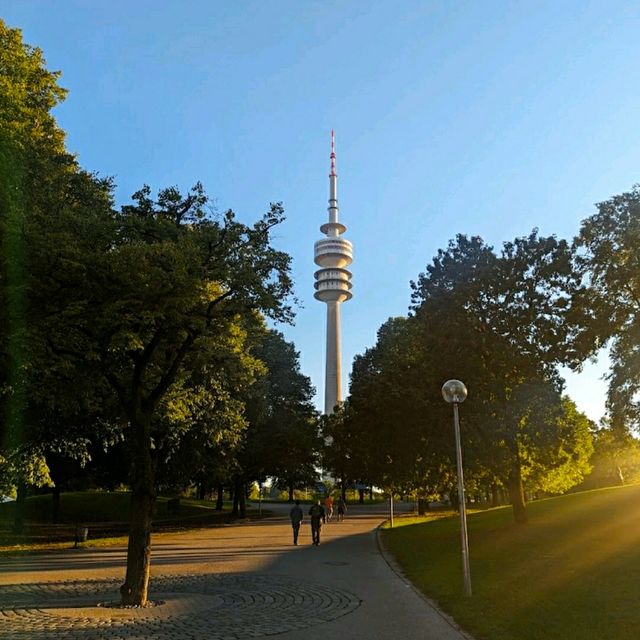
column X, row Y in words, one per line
column 333, row 286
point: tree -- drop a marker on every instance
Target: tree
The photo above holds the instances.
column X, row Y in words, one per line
column 609, row 260
column 386, row 436
column 282, row 436
column 509, row 311
column 111, row 320
column 616, row 459
column 343, row 454
column 145, row 309
column 202, row 446
column 39, row 178
column 498, row 323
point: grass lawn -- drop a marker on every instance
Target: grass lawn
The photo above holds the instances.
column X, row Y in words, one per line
column 106, row 515
column 572, row 573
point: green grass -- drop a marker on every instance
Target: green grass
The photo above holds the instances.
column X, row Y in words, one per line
column 572, row 573
column 106, row 515
column 97, row 506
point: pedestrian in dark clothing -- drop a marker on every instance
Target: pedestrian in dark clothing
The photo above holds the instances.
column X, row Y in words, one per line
column 296, row 520
column 317, row 518
column 342, row 507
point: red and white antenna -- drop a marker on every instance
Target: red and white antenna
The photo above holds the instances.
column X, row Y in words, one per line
column 333, row 154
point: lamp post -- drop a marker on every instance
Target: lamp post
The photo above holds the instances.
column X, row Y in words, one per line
column 454, row 392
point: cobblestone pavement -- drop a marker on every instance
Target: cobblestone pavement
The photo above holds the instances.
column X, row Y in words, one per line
column 214, row 606
column 233, row 582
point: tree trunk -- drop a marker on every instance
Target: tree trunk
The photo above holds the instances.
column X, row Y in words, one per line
column 18, row 514
column 290, row 493
column 134, row 591
column 516, row 492
column 454, row 499
column 495, row 495
column 243, row 500
column 55, row 504
column 236, row 498
column 220, row 499
column 361, row 496
column 371, row 493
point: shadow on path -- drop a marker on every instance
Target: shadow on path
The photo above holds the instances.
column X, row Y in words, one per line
column 346, row 570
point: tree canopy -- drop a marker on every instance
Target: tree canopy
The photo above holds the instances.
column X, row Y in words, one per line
column 609, row 261
column 497, row 322
column 40, row 179
column 125, row 324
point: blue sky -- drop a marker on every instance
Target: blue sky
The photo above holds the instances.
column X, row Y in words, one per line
column 483, row 118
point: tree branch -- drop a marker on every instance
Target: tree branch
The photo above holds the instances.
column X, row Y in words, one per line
column 141, row 362
column 169, row 377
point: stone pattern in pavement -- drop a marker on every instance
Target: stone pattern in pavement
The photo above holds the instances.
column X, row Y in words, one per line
column 198, row 607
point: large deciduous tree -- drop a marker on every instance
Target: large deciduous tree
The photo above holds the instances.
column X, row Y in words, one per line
column 387, row 429
column 39, row 412
column 616, row 459
column 282, row 436
column 609, row 259
column 497, row 322
column 145, row 314
column 113, row 322
column 200, row 446
column 509, row 311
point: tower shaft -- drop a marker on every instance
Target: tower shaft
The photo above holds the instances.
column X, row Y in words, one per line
column 333, row 371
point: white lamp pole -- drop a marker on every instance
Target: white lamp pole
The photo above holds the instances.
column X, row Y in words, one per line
column 454, row 392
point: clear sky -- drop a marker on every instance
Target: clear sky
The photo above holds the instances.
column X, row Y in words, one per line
column 484, row 118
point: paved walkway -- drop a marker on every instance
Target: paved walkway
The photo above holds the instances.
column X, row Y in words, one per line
column 234, row 582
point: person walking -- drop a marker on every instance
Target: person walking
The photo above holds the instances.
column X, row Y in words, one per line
column 296, row 520
column 328, row 507
column 342, row 507
column 317, row 518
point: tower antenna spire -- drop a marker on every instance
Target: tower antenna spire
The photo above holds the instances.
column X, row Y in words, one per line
column 333, row 154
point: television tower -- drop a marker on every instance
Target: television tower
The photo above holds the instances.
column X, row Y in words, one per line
column 333, row 286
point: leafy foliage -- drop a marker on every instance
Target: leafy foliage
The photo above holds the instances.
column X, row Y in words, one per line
column 609, row 260
column 40, row 180
column 128, row 324
column 497, row 322
column 282, row 436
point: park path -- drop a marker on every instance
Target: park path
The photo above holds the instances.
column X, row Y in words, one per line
column 232, row 582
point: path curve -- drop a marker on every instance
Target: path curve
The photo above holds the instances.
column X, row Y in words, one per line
column 235, row 582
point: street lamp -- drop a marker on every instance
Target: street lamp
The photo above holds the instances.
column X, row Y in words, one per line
column 454, row 392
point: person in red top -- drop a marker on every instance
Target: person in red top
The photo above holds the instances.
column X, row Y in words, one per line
column 328, row 507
